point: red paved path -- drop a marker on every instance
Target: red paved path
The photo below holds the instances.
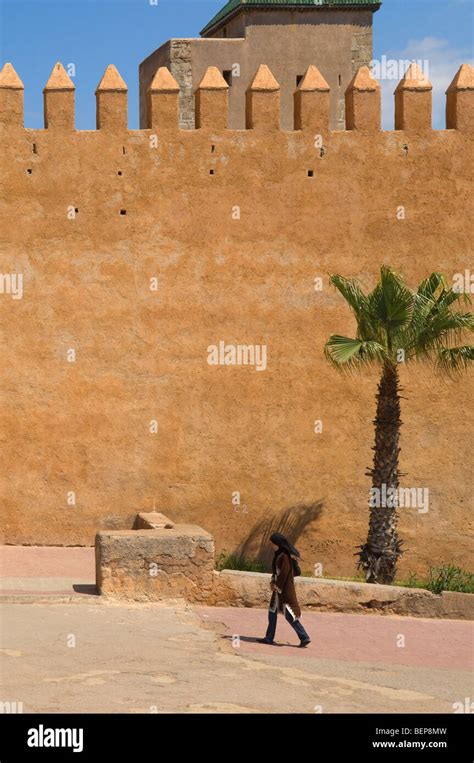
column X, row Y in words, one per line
column 370, row 638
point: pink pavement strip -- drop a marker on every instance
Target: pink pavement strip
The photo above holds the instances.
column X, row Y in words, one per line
column 47, row 561
column 365, row 638
column 46, row 570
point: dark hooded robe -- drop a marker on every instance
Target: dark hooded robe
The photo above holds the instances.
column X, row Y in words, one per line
column 283, row 577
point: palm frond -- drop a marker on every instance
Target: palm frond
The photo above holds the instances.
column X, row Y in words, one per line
column 443, row 329
column 454, row 360
column 449, row 297
column 432, row 285
column 425, row 323
column 351, row 291
column 398, row 300
column 345, row 352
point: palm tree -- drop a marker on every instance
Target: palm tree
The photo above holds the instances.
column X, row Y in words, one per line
column 396, row 324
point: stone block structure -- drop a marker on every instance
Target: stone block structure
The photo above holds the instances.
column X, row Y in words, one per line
column 154, row 564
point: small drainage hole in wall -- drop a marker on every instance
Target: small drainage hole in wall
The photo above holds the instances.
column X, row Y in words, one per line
column 310, row 173
column 76, row 210
column 29, row 171
column 123, row 211
column 120, row 172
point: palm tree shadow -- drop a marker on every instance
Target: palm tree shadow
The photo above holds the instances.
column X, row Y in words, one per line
column 291, row 522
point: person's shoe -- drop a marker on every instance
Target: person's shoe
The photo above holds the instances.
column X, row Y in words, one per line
column 265, row 641
column 304, row 643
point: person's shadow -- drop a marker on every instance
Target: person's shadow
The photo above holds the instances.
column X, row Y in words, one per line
column 251, row 640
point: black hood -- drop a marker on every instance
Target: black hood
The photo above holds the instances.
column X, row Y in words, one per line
column 283, row 543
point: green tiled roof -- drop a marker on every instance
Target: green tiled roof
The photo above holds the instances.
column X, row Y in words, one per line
column 232, row 5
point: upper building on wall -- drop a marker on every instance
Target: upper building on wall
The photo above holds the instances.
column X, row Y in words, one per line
column 335, row 35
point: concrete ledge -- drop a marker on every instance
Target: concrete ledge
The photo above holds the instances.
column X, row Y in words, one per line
column 149, row 565
column 252, row 589
column 167, row 561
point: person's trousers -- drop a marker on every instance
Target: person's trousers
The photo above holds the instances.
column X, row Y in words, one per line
column 272, row 623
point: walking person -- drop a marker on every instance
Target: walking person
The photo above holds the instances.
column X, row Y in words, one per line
column 283, row 590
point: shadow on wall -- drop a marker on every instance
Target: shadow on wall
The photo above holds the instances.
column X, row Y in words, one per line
column 290, row 522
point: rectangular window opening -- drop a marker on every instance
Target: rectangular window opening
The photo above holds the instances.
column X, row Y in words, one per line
column 310, row 173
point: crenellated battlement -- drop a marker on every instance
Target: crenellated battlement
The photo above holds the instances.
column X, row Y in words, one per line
column 413, row 101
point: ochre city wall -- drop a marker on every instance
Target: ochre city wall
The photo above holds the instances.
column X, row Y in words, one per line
column 235, row 254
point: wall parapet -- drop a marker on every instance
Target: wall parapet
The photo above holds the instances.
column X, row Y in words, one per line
column 413, row 101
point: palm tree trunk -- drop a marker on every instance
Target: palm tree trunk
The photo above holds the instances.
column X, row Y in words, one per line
column 378, row 556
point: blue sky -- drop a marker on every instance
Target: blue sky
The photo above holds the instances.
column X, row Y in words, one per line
column 34, row 34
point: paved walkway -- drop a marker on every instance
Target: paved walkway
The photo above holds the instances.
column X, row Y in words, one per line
column 49, row 570
column 409, row 641
column 91, row 655
column 100, row 657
